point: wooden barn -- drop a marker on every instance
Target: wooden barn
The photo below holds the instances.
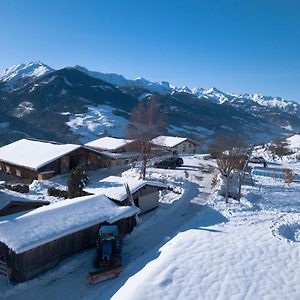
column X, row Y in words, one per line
column 32, row 159
column 11, row 202
column 111, row 159
column 145, row 193
column 178, row 144
column 115, row 151
column 35, row 241
column 112, row 144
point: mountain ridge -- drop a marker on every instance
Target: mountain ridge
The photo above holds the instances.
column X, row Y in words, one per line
column 38, row 69
column 77, row 106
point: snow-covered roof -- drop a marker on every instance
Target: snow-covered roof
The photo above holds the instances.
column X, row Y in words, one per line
column 34, row 154
column 120, row 155
column 108, row 143
column 168, row 141
column 113, row 186
column 7, row 196
column 22, row 232
column 294, row 141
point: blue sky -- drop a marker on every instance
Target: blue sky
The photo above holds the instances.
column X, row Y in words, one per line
column 237, row 46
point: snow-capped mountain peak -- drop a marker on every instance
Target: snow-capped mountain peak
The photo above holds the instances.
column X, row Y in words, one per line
column 121, row 82
column 183, row 89
column 31, row 71
column 213, row 94
column 19, row 75
column 273, row 102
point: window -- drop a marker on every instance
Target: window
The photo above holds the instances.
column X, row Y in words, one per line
column 7, row 169
column 190, row 145
column 18, row 172
column 126, row 161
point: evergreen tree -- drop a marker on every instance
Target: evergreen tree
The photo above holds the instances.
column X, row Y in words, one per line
column 77, row 181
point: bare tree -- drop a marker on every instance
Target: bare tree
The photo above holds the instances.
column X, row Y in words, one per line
column 146, row 122
column 230, row 158
column 288, row 174
column 242, row 172
column 279, row 148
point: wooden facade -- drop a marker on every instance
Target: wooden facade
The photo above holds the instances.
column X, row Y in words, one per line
column 87, row 158
column 108, row 160
column 20, row 267
column 130, row 147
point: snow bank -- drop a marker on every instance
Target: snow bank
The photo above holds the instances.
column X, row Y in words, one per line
column 294, row 141
column 22, row 232
column 287, row 228
column 224, row 261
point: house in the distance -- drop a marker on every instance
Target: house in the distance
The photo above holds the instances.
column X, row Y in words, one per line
column 112, row 144
column 178, row 144
column 35, row 241
column 115, row 151
column 33, row 159
column 145, row 193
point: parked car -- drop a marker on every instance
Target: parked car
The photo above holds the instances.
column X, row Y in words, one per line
column 257, row 160
column 178, row 161
column 169, row 163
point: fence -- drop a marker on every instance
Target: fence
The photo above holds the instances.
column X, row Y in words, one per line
column 277, row 173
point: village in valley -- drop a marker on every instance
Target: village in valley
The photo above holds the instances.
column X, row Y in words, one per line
column 208, row 213
column 149, row 150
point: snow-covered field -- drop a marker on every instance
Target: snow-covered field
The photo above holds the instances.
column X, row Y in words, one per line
column 239, row 251
column 193, row 246
column 97, row 122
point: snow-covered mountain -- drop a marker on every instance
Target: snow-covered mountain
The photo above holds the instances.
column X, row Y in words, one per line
column 18, row 75
column 213, row 94
column 121, row 82
column 73, row 102
column 275, row 102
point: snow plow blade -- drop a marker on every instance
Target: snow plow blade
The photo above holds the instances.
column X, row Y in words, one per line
column 99, row 276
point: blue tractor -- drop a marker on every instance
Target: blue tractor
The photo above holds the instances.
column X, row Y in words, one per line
column 107, row 260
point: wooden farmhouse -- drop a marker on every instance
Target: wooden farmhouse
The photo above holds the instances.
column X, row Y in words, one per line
column 145, row 193
column 115, row 151
column 32, row 159
column 12, row 202
column 178, row 144
column 35, row 241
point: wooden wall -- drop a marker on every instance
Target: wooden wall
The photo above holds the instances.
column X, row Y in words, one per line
column 29, row 264
column 87, row 158
column 17, row 171
column 16, row 206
